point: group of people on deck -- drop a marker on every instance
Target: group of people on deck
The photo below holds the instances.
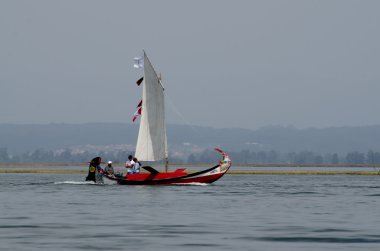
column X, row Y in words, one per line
column 95, row 171
column 132, row 165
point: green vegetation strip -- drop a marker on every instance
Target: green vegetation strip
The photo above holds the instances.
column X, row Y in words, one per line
column 306, row 172
column 229, row 172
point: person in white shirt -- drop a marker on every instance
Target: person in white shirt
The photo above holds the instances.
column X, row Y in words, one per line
column 137, row 166
column 130, row 164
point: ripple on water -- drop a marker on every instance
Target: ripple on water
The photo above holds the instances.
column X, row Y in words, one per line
column 317, row 239
column 239, row 212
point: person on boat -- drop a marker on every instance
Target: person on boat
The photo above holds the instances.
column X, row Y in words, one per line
column 130, row 164
column 94, row 170
column 109, row 168
column 137, row 166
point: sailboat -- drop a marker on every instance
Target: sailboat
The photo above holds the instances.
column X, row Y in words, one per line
column 152, row 141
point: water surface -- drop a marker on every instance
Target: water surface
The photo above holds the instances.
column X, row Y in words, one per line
column 238, row 212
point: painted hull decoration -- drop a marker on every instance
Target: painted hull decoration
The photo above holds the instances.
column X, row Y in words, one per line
column 152, row 141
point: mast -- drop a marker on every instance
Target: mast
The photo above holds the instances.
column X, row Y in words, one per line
column 166, row 160
column 167, row 164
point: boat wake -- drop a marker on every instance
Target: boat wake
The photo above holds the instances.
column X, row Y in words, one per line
column 70, row 182
column 75, row 182
column 191, row 184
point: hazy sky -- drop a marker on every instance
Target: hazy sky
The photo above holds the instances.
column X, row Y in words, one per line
column 224, row 63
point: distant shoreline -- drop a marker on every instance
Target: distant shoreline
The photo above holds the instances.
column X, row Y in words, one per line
column 45, row 168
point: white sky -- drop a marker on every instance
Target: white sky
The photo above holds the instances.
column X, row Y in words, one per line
column 240, row 64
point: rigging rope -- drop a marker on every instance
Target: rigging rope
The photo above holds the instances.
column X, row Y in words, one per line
column 174, row 108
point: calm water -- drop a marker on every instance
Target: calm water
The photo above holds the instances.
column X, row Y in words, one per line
column 239, row 212
column 119, row 168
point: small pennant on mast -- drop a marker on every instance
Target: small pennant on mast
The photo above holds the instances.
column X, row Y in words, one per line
column 138, row 82
column 137, row 113
column 138, row 62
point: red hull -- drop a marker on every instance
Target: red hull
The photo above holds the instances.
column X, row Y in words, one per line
column 167, row 179
column 177, row 177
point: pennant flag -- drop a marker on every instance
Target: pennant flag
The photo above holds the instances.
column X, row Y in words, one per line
column 138, row 82
column 138, row 62
column 140, row 104
column 136, row 114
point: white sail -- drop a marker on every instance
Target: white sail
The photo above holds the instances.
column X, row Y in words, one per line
column 151, row 141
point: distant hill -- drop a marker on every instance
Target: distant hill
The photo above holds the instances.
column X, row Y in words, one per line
column 22, row 138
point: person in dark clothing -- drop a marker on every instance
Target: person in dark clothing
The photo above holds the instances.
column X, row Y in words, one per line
column 94, row 169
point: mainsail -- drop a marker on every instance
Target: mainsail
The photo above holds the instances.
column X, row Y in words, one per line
column 151, row 141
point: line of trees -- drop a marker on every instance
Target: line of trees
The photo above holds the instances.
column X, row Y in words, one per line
column 63, row 157
column 206, row 157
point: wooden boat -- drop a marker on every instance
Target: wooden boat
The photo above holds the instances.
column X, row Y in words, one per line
column 179, row 176
column 152, row 142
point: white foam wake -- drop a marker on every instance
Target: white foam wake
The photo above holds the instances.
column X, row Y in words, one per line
column 191, row 184
column 75, row 182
